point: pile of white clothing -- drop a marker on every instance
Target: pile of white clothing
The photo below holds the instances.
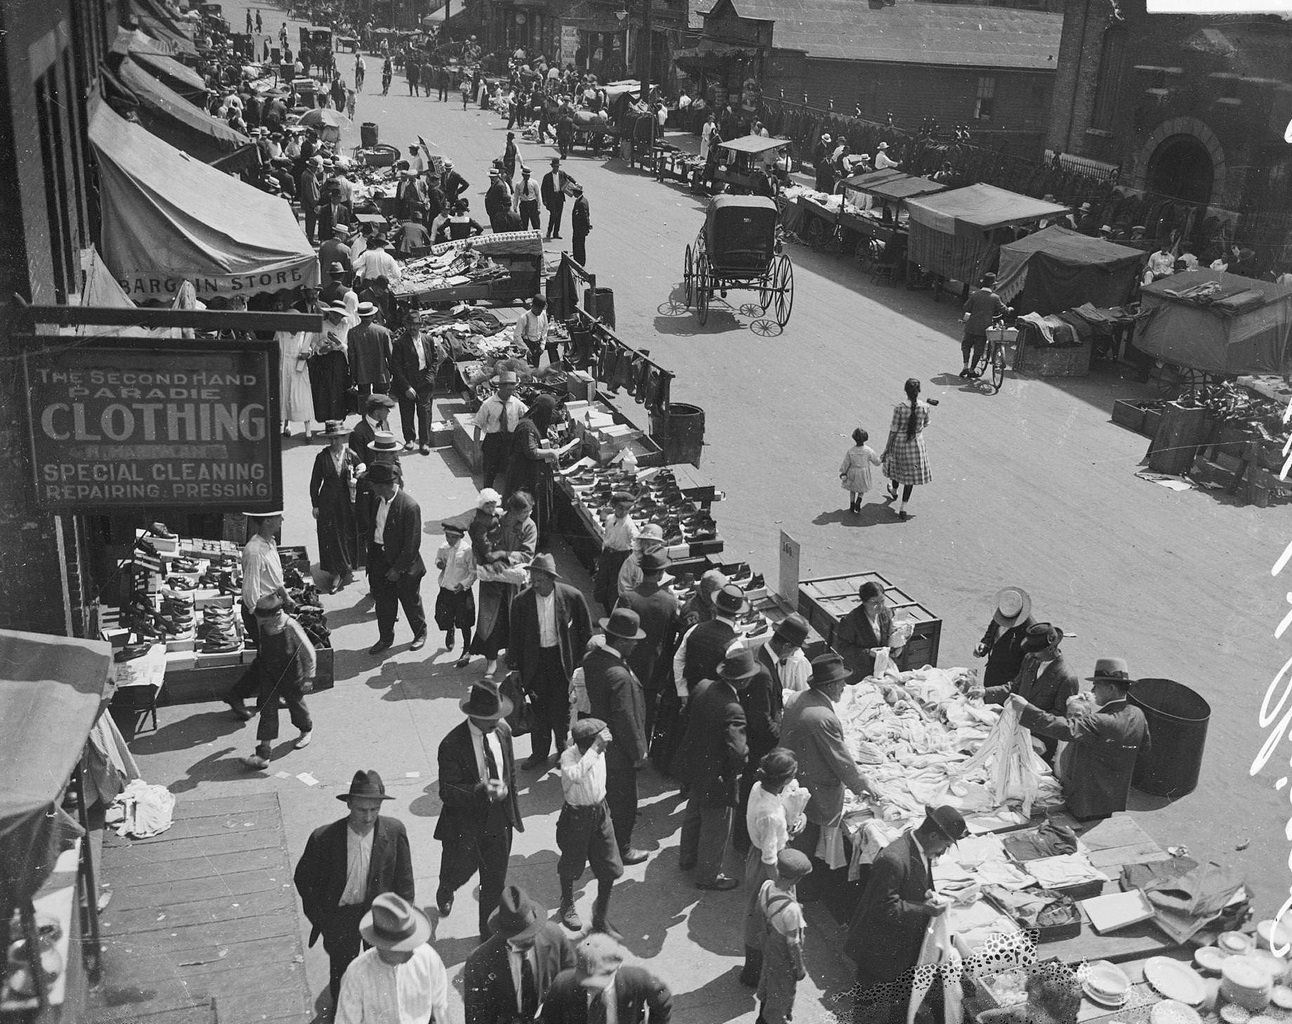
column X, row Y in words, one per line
column 1066, row 869
column 141, row 810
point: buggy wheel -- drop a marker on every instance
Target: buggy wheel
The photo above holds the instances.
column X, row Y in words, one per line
column 702, row 288
column 688, row 278
column 997, row 365
column 783, row 288
column 765, row 287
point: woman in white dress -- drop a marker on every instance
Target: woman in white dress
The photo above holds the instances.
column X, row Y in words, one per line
column 294, row 350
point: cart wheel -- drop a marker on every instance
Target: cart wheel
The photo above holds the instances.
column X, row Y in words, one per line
column 765, row 290
column 688, row 279
column 783, row 289
column 997, row 365
column 702, row 288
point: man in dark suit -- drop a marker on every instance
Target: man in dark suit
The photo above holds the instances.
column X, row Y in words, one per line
column 616, row 697
column 480, row 812
column 579, row 996
column 811, row 729
column 332, row 211
column 376, row 416
column 395, row 566
column 346, row 865
column 524, row 946
column 497, row 202
column 714, row 751
column 553, row 194
column 887, row 928
column 334, row 249
column 452, row 184
column 550, row 627
column 657, row 610
column 412, row 365
column 580, row 224
column 1044, row 680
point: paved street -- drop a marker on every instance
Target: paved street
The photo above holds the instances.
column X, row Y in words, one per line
column 1032, row 487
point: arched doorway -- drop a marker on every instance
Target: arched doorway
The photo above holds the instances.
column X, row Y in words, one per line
column 1181, row 167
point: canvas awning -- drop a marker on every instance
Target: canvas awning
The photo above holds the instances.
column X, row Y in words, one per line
column 1241, row 326
column 184, row 80
column 51, row 688
column 892, row 185
column 753, row 144
column 166, row 114
column 168, row 218
column 1057, row 269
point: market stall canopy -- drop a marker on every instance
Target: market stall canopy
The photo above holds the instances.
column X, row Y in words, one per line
column 168, row 219
column 184, row 80
column 101, row 291
column 892, row 185
column 1057, row 269
column 1217, row 323
column 753, row 144
column 952, row 233
column 51, row 688
column 168, row 115
column 157, row 22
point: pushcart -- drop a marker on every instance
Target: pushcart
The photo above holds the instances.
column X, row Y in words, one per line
column 738, row 247
column 741, row 157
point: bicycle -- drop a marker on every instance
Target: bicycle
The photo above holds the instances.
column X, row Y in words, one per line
column 992, row 359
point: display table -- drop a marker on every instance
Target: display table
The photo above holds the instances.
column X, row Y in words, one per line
column 827, row 599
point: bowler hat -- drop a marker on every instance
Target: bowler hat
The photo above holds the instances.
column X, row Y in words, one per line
column 793, row 629
column 792, row 865
column 484, row 701
column 1111, row 670
column 383, row 473
column 828, row 669
column 652, row 561
column 1013, row 605
column 730, row 600
column 394, row 924
column 738, row 665
column 379, row 402
column 517, row 916
column 624, row 624
column 947, row 820
column 365, row 784
column 544, row 563
column 268, row 605
column 587, row 729
column 1041, row 636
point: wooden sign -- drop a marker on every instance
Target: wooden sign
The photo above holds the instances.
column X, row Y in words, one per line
column 788, row 586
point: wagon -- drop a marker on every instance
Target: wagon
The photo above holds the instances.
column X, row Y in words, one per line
column 738, row 248
column 740, row 157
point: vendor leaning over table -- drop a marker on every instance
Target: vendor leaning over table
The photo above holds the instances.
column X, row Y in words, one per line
column 864, row 631
column 1104, row 733
column 888, row 926
column 1044, row 679
column 1003, row 642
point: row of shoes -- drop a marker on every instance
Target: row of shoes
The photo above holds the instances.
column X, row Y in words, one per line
column 218, row 632
column 175, row 619
column 226, row 581
column 314, row 623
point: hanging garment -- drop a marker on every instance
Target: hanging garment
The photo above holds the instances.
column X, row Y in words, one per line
column 938, row 963
column 1014, row 769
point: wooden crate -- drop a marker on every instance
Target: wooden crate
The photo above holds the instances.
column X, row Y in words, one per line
column 1129, row 415
column 824, row 601
column 1053, row 360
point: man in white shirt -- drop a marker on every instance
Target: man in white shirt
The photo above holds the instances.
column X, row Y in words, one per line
column 401, row 979
column 375, row 262
column 525, row 201
column 496, row 421
column 882, row 160
column 1161, row 264
column 262, row 569
column 532, row 332
column 584, row 832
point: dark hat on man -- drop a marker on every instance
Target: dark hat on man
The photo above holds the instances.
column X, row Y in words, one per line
column 518, row 916
column 1111, row 670
column 826, row 670
column 947, row 820
column 793, row 629
column 365, row 784
column 730, row 600
column 624, row 624
column 269, row 605
column 544, row 563
column 378, row 401
column 383, row 473
column 484, row 701
column 1041, row 636
column 738, row 665
column 587, row 729
column 792, row 865
column 652, row 561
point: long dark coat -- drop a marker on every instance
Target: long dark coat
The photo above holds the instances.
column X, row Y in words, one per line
column 338, row 530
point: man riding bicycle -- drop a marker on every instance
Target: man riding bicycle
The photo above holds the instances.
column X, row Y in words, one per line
column 983, row 307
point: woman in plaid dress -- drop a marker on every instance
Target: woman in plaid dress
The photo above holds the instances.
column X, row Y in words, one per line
column 906, row 461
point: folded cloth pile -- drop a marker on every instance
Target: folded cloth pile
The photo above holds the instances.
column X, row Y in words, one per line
column 1185, row 895
column 1065, row 870
column 1049, row 840
column 1032, row 908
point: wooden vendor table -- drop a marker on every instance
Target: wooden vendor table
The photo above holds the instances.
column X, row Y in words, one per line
column 827, row 599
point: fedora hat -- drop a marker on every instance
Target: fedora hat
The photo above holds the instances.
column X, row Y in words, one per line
column 544, row 563
column 517, row 916
column 882, row 145
column 793, row 629
column 335, row 428
column 1111, row 670
column 652, row 561
column 366, row 784
column 738, row 665
column 366, row 309
column 947, row 820
column 383, row 473
column 1041, row 636
column 394, row 924
column 828, row 669
column 484, row 701
column 379, row 402
column 268, row 605
column 651, row 531
column 384, row 441
column 624, row 624
column 730, row 600
column 1013, row 605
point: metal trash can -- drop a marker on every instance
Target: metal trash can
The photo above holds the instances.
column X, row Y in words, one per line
column 679, row 431
column 605, row 305
column 1177, row 725
column 368, row 134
